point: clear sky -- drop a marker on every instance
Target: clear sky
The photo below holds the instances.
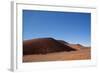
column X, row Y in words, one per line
column 69, row 26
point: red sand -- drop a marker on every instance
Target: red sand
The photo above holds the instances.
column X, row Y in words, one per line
column 49, row 49
column 60, row 56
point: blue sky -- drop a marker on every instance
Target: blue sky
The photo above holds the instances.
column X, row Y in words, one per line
column 69, row 26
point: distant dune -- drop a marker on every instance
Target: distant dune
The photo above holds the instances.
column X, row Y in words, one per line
column 75, row 46
column 50, row 49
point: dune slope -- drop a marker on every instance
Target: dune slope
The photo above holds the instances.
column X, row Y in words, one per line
column 43, row 46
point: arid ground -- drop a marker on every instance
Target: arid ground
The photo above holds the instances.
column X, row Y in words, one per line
column 80, row 52
column 74, row 55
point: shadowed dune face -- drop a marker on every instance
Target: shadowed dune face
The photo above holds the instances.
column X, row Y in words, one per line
column 43, row 46
column 63, row 42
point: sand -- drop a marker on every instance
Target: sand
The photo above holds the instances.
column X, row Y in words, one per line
column 81, row 54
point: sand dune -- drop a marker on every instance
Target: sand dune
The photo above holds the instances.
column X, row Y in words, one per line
column 49, row 49
column 43, row 46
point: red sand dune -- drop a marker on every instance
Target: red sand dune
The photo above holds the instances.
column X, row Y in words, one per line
column 44, row 46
